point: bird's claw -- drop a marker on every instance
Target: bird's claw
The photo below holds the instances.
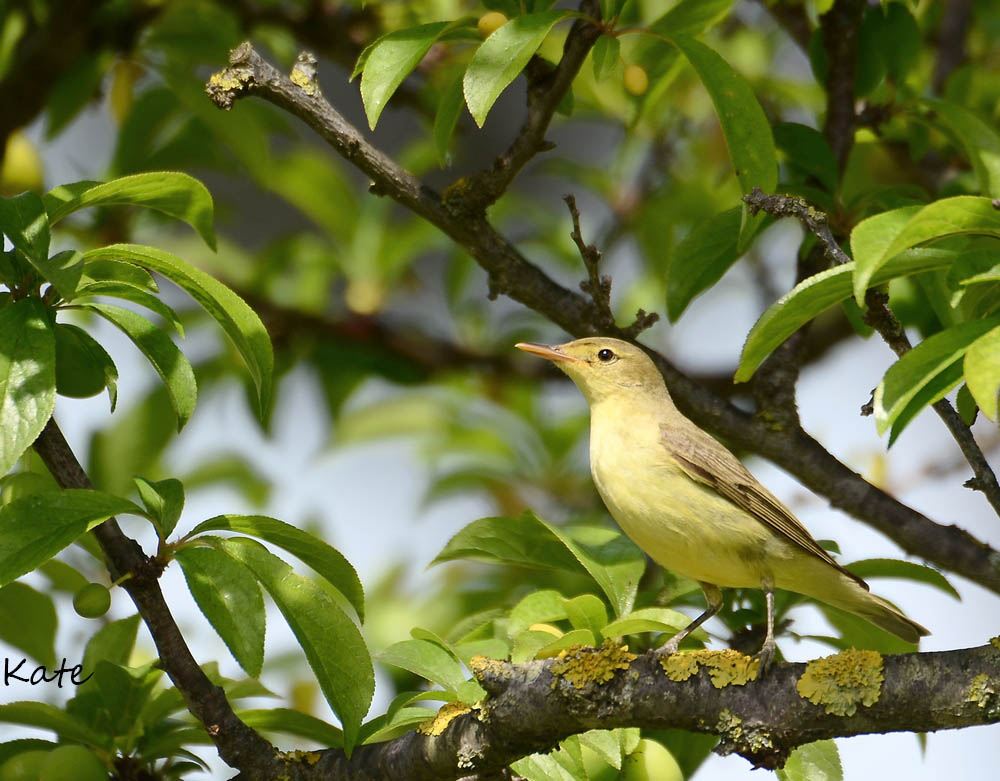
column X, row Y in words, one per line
column 765, row 657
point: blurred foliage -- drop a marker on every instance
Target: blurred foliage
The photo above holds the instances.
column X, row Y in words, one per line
column 392, row 320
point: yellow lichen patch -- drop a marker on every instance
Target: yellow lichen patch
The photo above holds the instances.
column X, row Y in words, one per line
column 983, row 693
column 995, row 642
column 581, row 665
column 726, row 668
column 229, row 79
column 841, row 681
column 448, row 713
column 309, row 757
column 484, row 667
column 303, row 80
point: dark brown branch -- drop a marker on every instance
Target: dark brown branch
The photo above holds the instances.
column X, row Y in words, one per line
column 840, row 27
column 880, row 317
column 951, row 40
column 510, row 273
column 791, row 15
column 237, row 744
column 531, row 707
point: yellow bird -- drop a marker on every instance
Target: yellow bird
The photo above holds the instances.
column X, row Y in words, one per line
column 690, row 504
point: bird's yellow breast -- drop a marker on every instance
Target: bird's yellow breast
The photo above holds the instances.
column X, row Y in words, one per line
column 683, row 525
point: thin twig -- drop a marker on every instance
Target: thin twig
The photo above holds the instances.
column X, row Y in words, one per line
column 880, row 317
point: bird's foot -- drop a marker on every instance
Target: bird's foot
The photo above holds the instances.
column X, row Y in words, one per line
column 669, row 647
column 765, row 657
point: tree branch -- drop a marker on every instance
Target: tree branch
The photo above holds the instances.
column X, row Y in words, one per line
column 239, row 745
column 509, row 272
column 535, row 704
column 880, row 317
column 840, row 27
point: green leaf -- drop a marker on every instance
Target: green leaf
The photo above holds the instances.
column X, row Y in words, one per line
column 896, row 568
column 808, row 150
column 74, row 89
column 978, row 139
column 45, row 716
column 539, row 607
column 326, row 560
column 966, row 405
column 23, row 221
column 332, row 643
column 982, row 372
column 63, row 577
column 83, row 366
column 587, row 612
column 63, row 270
column 818, row 761
column 502, row 56
column 237, row 319
column 873, row 245
column 446, row 118
column 136, row 296
column 701, row 258
column 610, row 558
column 815, row 295
column 391, row 59
column 171, row 192
column 229, row 597
column 292, row 722
column 120, row 272
column 169, row 362
column 164, row 500
column 426, row 659
column 28, row 622
column 936, row 388
column 605, row 56
column 125, row 691
column 383, row 728
column 27, row 376
column 113, row 643
column 571, row 638
column 652, row 619
column 35, row 528
column 920, row 365
column 744, row 124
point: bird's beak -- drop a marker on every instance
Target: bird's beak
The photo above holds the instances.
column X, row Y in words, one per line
column 544, row 351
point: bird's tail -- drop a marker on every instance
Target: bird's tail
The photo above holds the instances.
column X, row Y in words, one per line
column 855, row 599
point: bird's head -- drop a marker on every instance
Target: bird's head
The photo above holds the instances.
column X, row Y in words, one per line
column 602, row 367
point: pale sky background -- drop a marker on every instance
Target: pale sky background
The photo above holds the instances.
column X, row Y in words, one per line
column 370, row 496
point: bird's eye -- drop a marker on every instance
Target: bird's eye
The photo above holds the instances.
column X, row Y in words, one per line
column 606, row 355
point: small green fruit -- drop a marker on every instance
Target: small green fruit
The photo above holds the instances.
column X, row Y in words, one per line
column 22, row 166
column 651, row 762
column 636, row 80
column 92, row 601
column 23, row 767
column 72, row 762
column 490, row 22
column 79, row 373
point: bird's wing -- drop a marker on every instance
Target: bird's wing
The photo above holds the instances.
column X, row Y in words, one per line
column 706, row 461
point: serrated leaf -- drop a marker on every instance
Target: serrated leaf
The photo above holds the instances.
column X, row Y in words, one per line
column 171, row 192
column 124, row 692
column 571, row 638
column 76, row 349
column 817, row 761
column 28, row 622
column 701, row 258
column 45, row 716
column 539, row 607
column 939, row 386
column 169, row 362
column 979, row 140
column 896, row 568
column 605, row 55
column 136, row 296
column 24, row 222
column 238, row 320
column 744, row 124
column 390, row 60
column 117, row 271
column 808, row 150
column 164, row 500
column 652, row 619
column 27, row 377
column 333, row 646
column 292, row 722
column 907, row 376
column 426, row 659
column 982, row 372
column 35, row 528
column 874, row 243
column 502, row 56
column 815, row 295
column 446, row 118
column 325, row 559
column 586, row 612
column 63, row 270
column 610, row 558
column 228, row 596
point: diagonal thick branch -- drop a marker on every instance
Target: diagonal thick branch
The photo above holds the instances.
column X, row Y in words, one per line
column 535, row 704
column 510, row 273
column 239, row 745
